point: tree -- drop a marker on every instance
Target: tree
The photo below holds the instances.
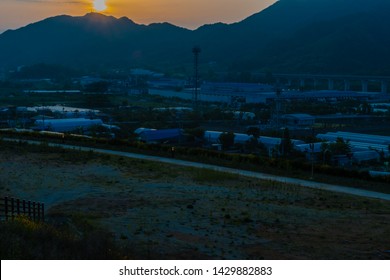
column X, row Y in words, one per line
column 326, row 152
column 340, row 147
column 196, row 134
column 252, row 144
column 227, row 140
column 254, row 131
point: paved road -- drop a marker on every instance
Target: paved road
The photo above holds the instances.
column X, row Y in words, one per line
column 263, row 176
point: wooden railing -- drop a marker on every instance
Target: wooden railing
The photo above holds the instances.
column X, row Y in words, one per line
column 11, row 207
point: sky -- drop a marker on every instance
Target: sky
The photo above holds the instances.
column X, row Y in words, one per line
column 185, row 13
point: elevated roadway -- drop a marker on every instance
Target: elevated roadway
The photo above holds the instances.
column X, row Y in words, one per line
column 381, row 82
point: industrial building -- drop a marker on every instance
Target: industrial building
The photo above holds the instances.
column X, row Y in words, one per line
column 142, row 129
column 364, row 147
column 236, row 92
column 356, row 137
column 64, row 111
column 321, row 96
column 57, row 91
column 159, row 135
column 67, row 125
column 212, row 137
column 169, row 84
column 309, row 148
column 252, row 93
column 218, row 92
column 298, row 120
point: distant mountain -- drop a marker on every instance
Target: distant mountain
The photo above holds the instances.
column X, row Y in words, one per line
column 295, row 36
column 92, row 40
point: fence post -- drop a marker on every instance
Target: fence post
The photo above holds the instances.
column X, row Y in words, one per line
column 18, row 206
column 39, row 211
column 12, row 207
column 29, row 209
column 33, row 204
column 6, row 208
column 43, row 212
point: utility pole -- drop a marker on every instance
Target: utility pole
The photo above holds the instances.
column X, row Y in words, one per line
column 312, row 160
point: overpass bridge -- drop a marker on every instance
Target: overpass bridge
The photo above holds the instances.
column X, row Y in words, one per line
column 333, row 82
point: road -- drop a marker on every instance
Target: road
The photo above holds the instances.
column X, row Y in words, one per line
column 251, row 174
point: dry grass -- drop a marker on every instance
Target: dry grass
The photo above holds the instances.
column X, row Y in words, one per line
column 160, row 211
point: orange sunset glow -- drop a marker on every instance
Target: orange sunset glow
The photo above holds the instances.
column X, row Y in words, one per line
column 189, row 13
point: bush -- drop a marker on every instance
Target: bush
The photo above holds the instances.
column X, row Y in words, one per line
column 25, row 239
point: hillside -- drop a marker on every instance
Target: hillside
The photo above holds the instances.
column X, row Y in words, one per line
column 297, row 36
column 116, row 207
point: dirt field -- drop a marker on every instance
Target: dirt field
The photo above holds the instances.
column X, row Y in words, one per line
column 168, row 212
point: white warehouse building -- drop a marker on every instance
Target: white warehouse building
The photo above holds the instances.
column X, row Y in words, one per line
column 66, row 125
column 364, row 147
column 240, row 138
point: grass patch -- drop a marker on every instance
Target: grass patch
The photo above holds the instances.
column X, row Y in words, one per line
column 202, row 175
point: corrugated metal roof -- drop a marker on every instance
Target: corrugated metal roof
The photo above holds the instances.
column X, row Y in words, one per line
column 142, row 129
column 299, row 116
column 160, row 135
column 356, row 137
column 64, row 125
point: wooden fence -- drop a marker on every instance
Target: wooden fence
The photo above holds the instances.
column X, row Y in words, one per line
column 11, row 207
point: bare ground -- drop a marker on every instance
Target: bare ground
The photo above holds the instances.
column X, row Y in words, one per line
column 161, row 211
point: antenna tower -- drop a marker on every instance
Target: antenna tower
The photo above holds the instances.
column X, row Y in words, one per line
column 196, row 51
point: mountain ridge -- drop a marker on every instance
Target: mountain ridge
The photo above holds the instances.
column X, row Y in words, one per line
column 299, row 36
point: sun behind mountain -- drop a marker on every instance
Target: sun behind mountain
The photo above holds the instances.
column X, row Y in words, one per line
column 99, row 5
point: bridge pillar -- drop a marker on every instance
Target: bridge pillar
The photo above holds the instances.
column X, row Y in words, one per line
column 347, row 85
column 364, row 86
column 384, row 86
column 330, row 84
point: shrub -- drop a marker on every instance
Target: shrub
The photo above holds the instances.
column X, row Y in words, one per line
column 25, row 239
